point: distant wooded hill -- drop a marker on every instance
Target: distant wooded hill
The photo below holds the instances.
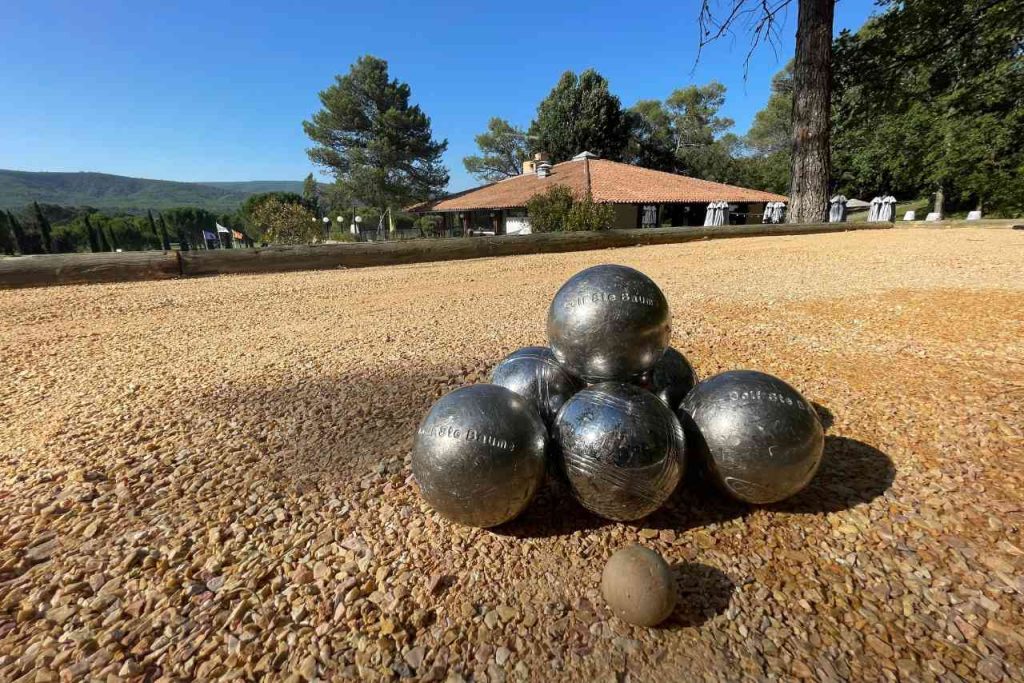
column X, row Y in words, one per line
column 106, row 191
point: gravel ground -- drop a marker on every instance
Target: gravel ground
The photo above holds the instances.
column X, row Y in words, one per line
column 208, row 479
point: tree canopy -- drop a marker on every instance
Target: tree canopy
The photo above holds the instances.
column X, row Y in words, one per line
column 580, row 114
column 503, row 149
column 685, row 134
column 930, row 98
column 769, row 142
column 374, row 141
column 652, row 137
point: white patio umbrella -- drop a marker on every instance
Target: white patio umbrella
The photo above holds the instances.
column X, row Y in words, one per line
column 716, row 213
column 709, row 215
column 722, row 214
column 887, row 212
column 837, row 209
column 876, row 203
column 779, row 212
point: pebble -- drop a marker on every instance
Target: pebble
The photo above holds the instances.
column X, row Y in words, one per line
column 414, row 657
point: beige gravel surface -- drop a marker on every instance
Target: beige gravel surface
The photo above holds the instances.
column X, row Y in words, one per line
column 208, row 479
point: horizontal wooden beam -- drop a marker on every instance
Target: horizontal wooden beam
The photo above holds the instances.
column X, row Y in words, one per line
column 364, row 254
column 64, row 269
column 29, row 271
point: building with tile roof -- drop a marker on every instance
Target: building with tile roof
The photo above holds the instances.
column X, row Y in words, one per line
column 641, row 197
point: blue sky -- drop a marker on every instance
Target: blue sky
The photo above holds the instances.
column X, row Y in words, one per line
column 218, row 91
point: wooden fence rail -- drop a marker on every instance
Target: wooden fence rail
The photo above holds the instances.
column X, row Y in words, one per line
column 56, row 269
column 63, row 269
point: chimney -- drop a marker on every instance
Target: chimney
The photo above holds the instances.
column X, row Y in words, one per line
column 530, row 165
column 543, row 169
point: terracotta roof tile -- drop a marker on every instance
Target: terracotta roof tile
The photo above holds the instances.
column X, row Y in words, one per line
column 617, row 183
column 610, row 182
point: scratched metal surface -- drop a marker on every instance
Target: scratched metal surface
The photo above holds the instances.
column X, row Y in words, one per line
column 758, row 438
column 622, row 450
column 480, row 455
column 609, row 322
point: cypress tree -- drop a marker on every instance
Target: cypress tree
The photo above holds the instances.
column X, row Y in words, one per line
column 163, row 233
column 19, row 233
column 6, row 240
column 94, row 242
column 152, row 225
column 183, row 240
column 44, row 228
column 103, row 244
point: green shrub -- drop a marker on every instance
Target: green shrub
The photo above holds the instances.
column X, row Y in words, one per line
column 428, row 225
column 549, row 210
column 585, row 214
column 286, row 222
column 558, row 210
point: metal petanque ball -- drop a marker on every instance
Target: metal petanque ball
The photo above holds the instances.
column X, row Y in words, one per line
column 622, row 450
column 608, row 323
column 671, row 378
column 533, row 373
column 479, row 455
column 760, row 440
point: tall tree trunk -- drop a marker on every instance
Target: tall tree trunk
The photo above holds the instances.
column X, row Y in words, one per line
column 812, row 97
column 940, row 202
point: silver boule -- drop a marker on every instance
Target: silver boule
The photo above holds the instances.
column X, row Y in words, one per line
column 608, row 322
column 479, row 455
column 671, row 378
column 759, row 439
column 533, row 373
column 622, row 450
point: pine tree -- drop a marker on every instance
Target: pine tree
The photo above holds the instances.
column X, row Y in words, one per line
column 19, row 233
column 374, row 140
column 44, row 228
column 810, row 166
column 503, row 149
column 90, row 231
